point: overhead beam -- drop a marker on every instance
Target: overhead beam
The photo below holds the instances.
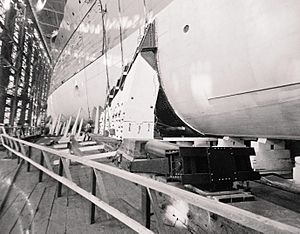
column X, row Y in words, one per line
column 35, row 21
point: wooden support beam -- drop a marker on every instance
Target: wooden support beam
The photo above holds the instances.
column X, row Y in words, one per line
column 101, row 188
column 67, row 127
column 156, row 209
column 66, row 168
column 60, row 173
column 73, row 132
column 80, row 127
column 41, row 163
column 11, row 145
column 93, row 191
column 91, row 148
column 63, row 129
column 61, row 146
column 29, row 156
column 146, row 209
column 47, row 160
column 58, row 125
column 16, row 145
column 101, row 155
column 87, row 143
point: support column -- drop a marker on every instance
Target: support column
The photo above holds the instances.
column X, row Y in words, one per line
column 5, row 56
column 15, row 99
column 25, row 95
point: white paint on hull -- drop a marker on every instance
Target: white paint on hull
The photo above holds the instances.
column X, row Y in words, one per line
column 233, row 47
column 215, row 74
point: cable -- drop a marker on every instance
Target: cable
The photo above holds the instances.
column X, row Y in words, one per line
column 121, row 36
column 104, row 49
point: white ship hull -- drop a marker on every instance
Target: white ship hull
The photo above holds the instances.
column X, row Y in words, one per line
column 227, row 67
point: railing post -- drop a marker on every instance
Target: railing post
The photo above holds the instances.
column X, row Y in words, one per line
column 93, row 190
column 9, row 153
column 17, row 149
column 29, row 156
column 60, row 172
column 146, row 208
column 41, row 163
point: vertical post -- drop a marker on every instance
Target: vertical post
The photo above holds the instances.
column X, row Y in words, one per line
column 58, row 124
column 80, row 127
column 29, row 156
column 60, row 172
column 41, row 163
column 146, row 208
column 93, row 190
column 73, row 131
column 9, row 153
column 154, row 202
column 67, row 127
column 17, row 148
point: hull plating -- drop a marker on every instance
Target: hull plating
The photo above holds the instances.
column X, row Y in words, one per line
column 227, row 67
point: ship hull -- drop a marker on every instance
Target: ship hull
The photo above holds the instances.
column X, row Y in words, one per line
column 227, row 67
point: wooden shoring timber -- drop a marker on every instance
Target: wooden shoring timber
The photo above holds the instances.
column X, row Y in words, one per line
column 11, row 144
column 79, row 128
column 16, row 145
column 156, row 209
column 67, row 169
column 91, row 148
column 87, row 143
column 67, row 127
column 236, row 215
column 47, row 160
column 101, row 155
column 104, row 206
column 74, row 128
column 101, row 186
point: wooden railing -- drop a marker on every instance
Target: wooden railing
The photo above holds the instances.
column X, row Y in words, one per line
column 247, row 219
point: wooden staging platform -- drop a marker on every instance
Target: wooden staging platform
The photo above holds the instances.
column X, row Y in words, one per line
column 34, row 207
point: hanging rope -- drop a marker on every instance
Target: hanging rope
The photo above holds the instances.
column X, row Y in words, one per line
column 121, row 34
column 145, row 12
column 104, row 49
column 104, row 45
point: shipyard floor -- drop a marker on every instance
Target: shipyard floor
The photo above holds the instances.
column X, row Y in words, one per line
column 34, row 207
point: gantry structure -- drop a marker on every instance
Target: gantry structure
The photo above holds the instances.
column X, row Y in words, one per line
column 25, row 64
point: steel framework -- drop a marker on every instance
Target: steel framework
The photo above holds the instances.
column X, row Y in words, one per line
column 25, row 67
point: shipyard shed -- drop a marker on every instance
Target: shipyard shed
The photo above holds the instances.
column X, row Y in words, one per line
column 149, row 116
